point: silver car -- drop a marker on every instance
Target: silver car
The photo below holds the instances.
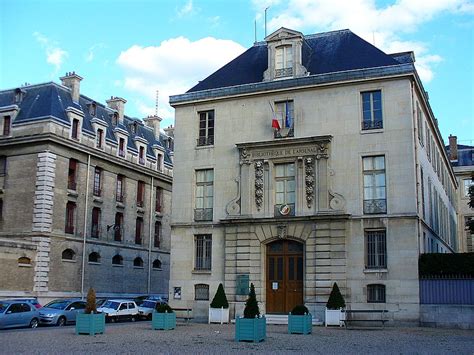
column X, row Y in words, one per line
column 62, row 311
column 18, row 314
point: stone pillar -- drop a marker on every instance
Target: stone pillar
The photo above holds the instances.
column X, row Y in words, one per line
column 44, row 194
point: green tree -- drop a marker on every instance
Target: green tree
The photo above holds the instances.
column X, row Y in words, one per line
column 251, row 306
column 91, row 305
column 220, row 299
column 335, row 300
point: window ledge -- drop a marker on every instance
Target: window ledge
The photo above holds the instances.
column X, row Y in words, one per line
column 138, row 267
column 98, row 199
column 140, row 210
column 119, row 205
column 117, row 265
column 25, row 265
column 157, row 269
column 93, row 263
column 375, row 271
column 369, row 131
column 202, row 272
column 68, row 261
column 73, row 193
column 204, row 146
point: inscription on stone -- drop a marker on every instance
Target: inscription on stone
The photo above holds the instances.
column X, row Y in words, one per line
column 285, row 152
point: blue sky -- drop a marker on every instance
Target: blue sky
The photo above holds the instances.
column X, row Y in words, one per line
column 134, row 48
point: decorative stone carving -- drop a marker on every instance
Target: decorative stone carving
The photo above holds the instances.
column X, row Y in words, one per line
column 259, row 184
column 309, row 180
column 244, row 157
column 233, row 207
column 281, row 231
column 322, row 151
column 337, row 201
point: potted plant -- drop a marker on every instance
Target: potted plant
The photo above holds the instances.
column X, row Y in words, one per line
column 252, row 327
column 335, row 314
column 90, row 322
column 300, row 321
column 163, row 317
column 219, row 307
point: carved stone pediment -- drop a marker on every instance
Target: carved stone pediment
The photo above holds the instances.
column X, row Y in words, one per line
column 283, row 33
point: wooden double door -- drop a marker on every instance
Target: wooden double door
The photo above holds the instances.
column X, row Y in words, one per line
column 284, row 281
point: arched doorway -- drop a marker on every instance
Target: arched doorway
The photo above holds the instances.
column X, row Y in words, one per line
column 284, row 285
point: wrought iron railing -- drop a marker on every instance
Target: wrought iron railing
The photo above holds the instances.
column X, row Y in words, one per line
column 203, row 214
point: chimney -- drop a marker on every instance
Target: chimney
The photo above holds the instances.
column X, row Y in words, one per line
column 170, row 131
column 117, row 104
column 154, row 122
column 73, row 82
column 453, row 148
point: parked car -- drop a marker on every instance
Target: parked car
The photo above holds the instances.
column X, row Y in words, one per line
column 33, row 301
column 140, row 299
column 145, row 310
column 62, row 311
column 116, row 310
column 18, row 314
column 100, row 301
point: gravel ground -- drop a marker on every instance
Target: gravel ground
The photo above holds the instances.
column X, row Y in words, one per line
column 139, row 338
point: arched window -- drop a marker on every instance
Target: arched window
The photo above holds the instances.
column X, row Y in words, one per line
column 117, row 260
column 138, row 262
column 68, row 254
column 201, row 292
column 24, row 261
column 156, row 264
column 94, row 257
column 376, row 293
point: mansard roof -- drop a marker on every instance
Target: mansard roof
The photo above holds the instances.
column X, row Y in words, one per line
column 326, row 56
column 50, row 101
column 465, row 155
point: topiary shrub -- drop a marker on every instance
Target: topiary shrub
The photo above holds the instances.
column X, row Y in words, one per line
column 251, row 306
column 335, row 300
column 91, row 305
column 220, row 299
column 163, row 308
column 299, row 310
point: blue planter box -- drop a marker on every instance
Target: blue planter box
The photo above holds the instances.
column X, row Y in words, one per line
column 250, row 329
column 300, row 324
column 164, row 321
column 91, row 324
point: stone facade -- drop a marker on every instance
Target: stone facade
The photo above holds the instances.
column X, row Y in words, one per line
column 49, row 251
column 325, row 148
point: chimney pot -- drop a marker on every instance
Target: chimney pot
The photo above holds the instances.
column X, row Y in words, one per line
column 453, row 148
column 73, row 82
column 117, row 104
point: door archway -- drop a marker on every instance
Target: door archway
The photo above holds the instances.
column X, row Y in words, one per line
column 284, row 279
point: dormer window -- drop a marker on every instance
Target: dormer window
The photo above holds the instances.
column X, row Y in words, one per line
column 100, row 139
column 93, row 109
column 133, row 128
column 75, row 129
column 283, row 61
column 19, row 95
column 141, row 157
column 6, row 125
column 114, row 119
column 121, row 151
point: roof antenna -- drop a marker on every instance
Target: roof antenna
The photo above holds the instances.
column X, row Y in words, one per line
column 255, row 30
column 156, row 103
column 266, row 21
column 373, row 37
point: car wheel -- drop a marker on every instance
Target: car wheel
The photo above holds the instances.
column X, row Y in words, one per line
column 149, row 317
column 112, row 320
column 133, row 318
column 61, row 322
column 34, row 323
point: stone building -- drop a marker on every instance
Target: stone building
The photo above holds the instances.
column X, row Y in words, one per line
column 85, row 195
column 305, row 161
column 462, row 160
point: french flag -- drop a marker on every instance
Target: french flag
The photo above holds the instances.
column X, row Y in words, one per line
column 275, row 122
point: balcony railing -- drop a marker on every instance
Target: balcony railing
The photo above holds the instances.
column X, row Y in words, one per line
column 97, row 192
column 118, row 233
column 205, row 141
column 203, row 214
column 119, row 198
column 375, row 206
column 96, row 231
column 281, row 73
column 372, row 124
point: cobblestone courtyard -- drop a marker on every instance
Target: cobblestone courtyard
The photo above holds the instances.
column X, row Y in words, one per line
column 138, row 338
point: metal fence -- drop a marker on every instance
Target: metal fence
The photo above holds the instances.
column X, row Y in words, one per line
column 447, row 291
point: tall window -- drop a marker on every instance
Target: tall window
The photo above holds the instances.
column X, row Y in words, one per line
column 115, row 119
column 376, row 249
column 423, row 205
column 375, row 200
column 467, row 183
column 72, row 173
column 92, row 109
column 3, row 165
column 100, row 139
column 159, row 163
column 201, row 292
column 376, row 293
column 121, row 147
column 157, row 235
column 6, row 125
column 118, row 227
column 95, row 226
column 138, row 230
column 285, row 189
column 419, row 119
column 141, row 155
column 372, row 110
column 284, row 112
column 204, row 195
column 158, row 199
column 97, row 181
column 1, row 209
column 206, row 128
column 284, row 61
column 119, row 188
column 70, row 212
column 203, row 248
column 140, row 193
column 75, row 129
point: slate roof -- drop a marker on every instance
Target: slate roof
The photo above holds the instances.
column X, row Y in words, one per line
column 50, row 101
column 323, row 53
column 465, row 155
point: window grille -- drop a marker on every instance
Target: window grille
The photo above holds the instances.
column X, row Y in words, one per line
column 376, row 250
column 372, row 110
column 376, row 293
column 201, row 292
column 203, row 248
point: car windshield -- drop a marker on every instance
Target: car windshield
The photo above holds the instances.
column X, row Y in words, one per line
column 111, row 305
column 148, row 304
column 3, row 307
column 57, row 304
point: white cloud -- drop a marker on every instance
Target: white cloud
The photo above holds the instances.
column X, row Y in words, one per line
column 187, row 9
column 385, row 24
column 89, row 57
column 54, row 54
column 173, row 67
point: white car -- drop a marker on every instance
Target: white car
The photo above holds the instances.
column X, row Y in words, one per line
column 116, row 310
